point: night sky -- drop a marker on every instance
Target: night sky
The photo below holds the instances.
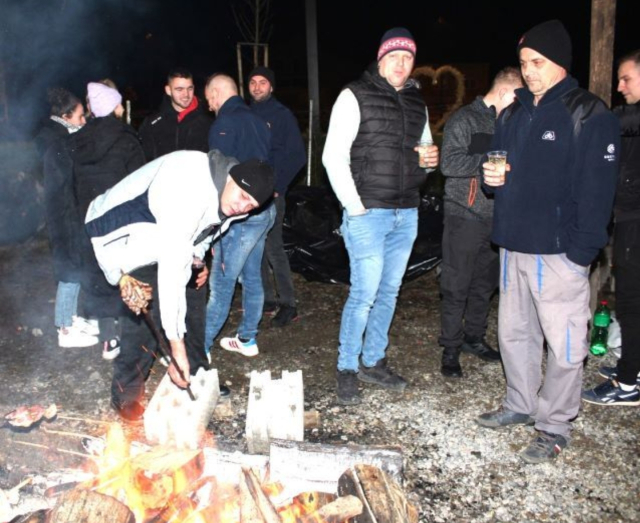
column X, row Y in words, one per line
column 135, row 42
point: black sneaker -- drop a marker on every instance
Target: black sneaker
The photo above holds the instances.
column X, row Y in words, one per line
column 503, row 418
column 450, row 365
column 481, row 349
column 381, row 375
column 544, row 448
column 269, row 308
column 611, row 373
column 285, row 316
column 348, row 392
column 610, row 393
column 130, row 411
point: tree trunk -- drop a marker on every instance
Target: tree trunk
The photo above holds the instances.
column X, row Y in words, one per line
column 603, row 21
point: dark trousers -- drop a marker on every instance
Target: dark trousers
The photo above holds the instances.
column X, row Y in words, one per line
column 470, row 272
column 275, row 259
column 626, row 260
column 139, row 347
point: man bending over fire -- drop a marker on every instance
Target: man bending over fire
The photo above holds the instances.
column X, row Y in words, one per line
column 148, row 233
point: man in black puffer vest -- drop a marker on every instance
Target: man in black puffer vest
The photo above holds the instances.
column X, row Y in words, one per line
column 621, row 387
column 181, row 123
column 371, row 158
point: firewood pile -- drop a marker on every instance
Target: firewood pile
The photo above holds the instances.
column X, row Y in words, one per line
column 162, row 484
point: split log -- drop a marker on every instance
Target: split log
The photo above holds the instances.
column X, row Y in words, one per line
column 382, row 498
column 40, row 516
column 249, row 511
column 86, row 506
column 165, row 472
column 313, row 467
column 266, row 508
column 337, row 511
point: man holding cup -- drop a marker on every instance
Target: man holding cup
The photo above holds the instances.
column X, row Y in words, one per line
column 552, row 207
column 372, row 159
column 470, row 265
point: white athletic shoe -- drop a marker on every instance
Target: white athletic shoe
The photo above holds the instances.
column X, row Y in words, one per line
column 248, row 348
column 89, row 327
column 73, row 337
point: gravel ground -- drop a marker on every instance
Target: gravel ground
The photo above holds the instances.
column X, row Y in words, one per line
column 455, row 471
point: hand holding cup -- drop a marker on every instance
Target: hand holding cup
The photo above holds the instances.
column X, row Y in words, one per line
column 427, row 154
column 495, row 169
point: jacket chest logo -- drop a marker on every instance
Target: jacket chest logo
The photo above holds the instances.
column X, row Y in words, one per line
column 549, row 136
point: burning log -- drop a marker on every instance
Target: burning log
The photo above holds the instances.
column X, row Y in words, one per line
column 86, row 506
column 266, row 508
column 337, row 511
column 383, row 499
column 164, row 473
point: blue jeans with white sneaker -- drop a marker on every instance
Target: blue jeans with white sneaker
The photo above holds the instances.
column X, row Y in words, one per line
column 240, row 251
column 66, row 303
column 379, row 244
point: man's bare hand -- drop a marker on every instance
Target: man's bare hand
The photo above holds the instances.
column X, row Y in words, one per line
column 179, row 352
column 135, row 294
column 493, row 176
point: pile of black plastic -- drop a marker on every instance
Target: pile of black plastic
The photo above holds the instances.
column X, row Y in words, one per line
column 315, row 246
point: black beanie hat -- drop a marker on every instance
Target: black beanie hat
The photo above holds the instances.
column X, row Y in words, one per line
column 551, row 40
column 397, row 39
column 261, row 70
column 255, row 177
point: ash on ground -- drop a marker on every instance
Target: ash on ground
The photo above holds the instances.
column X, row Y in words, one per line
column 454, row 470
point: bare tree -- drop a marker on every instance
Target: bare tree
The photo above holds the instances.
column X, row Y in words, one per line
column 254, row 20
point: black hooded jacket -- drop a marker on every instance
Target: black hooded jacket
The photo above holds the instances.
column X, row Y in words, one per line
column 161, row 133
column 627, row 203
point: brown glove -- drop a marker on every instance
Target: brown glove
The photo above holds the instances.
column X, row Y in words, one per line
column 135, row 294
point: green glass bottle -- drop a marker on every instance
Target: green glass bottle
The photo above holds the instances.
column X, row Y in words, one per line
column 600, row 329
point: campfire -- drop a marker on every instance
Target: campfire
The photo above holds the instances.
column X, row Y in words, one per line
column 132, row 482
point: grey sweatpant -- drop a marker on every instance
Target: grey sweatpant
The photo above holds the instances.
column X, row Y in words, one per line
column 543, row 297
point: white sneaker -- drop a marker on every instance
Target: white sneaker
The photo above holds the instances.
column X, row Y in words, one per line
column 89, row 327
column 249, row 348
column 73, row 337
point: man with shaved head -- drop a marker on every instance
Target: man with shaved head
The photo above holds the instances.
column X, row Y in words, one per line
column 239, row 133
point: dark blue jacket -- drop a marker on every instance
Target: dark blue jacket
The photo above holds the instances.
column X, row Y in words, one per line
column 240, row 133
column 559, row 193
column 288, row 155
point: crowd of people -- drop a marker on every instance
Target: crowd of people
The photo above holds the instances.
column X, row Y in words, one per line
column 162, row 224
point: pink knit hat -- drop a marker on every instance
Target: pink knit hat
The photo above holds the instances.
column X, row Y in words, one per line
column 103, row 99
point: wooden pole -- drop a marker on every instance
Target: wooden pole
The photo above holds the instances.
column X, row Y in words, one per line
column 603, row 20
column 312, row 70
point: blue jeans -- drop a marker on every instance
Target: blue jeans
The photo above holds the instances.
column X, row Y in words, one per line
column 240, row 252
column 379, row 244
column 66, row 303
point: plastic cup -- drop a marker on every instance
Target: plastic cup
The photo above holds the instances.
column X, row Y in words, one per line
column 499, row 160
column 423, row 147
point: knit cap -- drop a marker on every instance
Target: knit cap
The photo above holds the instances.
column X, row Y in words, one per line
column 396, row 39
column 261, row 70
column 551, row 40
column 254, row 177
column 102, row 99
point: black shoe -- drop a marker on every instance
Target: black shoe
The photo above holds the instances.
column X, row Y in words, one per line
column 481, row 349
column 381, row 375
column 348, row 392
column 284, row 316
column 450, row 367
column 224, row 391
column 131, row 411
column 269, row 308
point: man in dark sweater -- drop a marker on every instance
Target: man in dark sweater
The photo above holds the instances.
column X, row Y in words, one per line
column 621, row 387
column 553, row 203
column 470, row 265
column 181, row 123
column 287, row 156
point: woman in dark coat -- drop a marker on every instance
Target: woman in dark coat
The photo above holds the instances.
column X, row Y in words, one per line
column 63, row 223
column 103, row 153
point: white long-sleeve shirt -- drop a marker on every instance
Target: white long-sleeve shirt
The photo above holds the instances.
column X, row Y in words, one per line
column 336, row 157
column 155, row 215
